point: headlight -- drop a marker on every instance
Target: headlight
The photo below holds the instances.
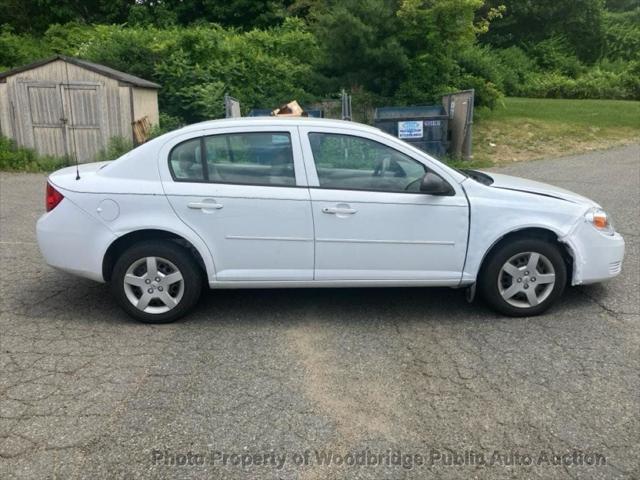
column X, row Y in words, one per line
column 600, row 220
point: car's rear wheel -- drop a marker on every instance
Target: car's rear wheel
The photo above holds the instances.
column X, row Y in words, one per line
column 156, row 282
column 524, row 277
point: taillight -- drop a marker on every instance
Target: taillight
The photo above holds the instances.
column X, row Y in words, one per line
column 53, row 197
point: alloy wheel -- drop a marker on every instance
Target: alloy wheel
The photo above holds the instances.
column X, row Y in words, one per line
column 526, row 279
column 153, row 285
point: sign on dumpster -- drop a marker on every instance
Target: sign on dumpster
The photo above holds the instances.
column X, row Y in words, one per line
column 410, row 129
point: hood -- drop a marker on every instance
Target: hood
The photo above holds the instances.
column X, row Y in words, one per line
column 538, row 188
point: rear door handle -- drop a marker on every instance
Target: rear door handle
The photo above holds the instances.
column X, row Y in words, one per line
column 205, row 205
column 339, row 210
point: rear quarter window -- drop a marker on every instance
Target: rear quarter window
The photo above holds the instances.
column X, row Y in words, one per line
column 185, row 161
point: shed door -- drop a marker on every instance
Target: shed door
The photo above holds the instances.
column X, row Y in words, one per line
column 84, row 112
column 46, row 114
column 65, row 119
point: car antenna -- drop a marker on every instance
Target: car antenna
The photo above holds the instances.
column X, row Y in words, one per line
column 75, row 147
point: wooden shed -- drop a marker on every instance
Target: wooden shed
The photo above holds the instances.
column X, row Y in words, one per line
column 66, row 106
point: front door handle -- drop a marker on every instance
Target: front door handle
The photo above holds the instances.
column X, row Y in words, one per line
column 339, row 210
column 205, row 205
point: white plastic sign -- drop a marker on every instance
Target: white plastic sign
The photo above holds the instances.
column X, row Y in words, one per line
column 410, row 129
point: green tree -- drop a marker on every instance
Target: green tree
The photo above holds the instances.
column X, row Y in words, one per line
column 622, row 5
column 35, row 16
column 196, row 66
column 622, row 30
column 436, row 32
column 525, row 23
column 244, row 14
column 360, row 44
column 16, row 50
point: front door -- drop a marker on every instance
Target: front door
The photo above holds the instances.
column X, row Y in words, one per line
column 244, row 193
column 372, row 222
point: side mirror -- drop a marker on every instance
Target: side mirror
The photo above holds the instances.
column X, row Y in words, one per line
column 433, row 184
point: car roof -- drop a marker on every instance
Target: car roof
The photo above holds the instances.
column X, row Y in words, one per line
column 277, row 121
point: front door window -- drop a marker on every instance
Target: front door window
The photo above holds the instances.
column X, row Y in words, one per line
column 345, row 162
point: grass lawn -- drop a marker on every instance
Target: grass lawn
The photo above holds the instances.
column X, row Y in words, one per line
column 531, row 128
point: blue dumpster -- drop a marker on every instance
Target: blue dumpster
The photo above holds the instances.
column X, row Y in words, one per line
column 424, row 127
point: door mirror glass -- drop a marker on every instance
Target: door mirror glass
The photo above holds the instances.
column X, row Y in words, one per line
column 433, row 184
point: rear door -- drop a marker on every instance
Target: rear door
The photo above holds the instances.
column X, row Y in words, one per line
column 244, row 192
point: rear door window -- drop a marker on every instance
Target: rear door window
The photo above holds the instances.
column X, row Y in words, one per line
column 256, row 158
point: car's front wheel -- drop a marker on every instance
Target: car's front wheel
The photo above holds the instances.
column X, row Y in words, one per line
column 524, row 277
column 156, row 281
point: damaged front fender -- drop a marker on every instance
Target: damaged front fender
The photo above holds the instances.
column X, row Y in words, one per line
column 596, row 256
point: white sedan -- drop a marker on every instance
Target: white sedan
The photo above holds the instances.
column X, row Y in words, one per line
column 281, row 202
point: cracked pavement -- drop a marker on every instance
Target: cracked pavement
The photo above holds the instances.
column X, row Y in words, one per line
column 85, row 392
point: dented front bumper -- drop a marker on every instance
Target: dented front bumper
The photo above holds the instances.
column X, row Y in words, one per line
column 596, row 255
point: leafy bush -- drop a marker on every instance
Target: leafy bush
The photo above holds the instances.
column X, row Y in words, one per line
column 596, row 83
column 19, row 49
column 631, row 80
column 482, row 62
column 116, row 147
column 560, row 75
column 198, row 65
column 577, row 24
column 622, row 35
column 16, row 158
column 495, row 72
column 167, row 124
column 487, row 94
column 555, row 54
column 516, row 67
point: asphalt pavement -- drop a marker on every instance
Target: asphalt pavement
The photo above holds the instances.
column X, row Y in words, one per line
column 321, row 384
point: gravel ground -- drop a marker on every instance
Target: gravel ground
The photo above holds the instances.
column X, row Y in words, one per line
column 262, row 377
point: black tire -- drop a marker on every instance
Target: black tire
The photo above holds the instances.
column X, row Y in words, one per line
column 180, row 258
column 491, row 274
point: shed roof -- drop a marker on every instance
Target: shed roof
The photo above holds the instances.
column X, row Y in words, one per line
column 95, row 67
